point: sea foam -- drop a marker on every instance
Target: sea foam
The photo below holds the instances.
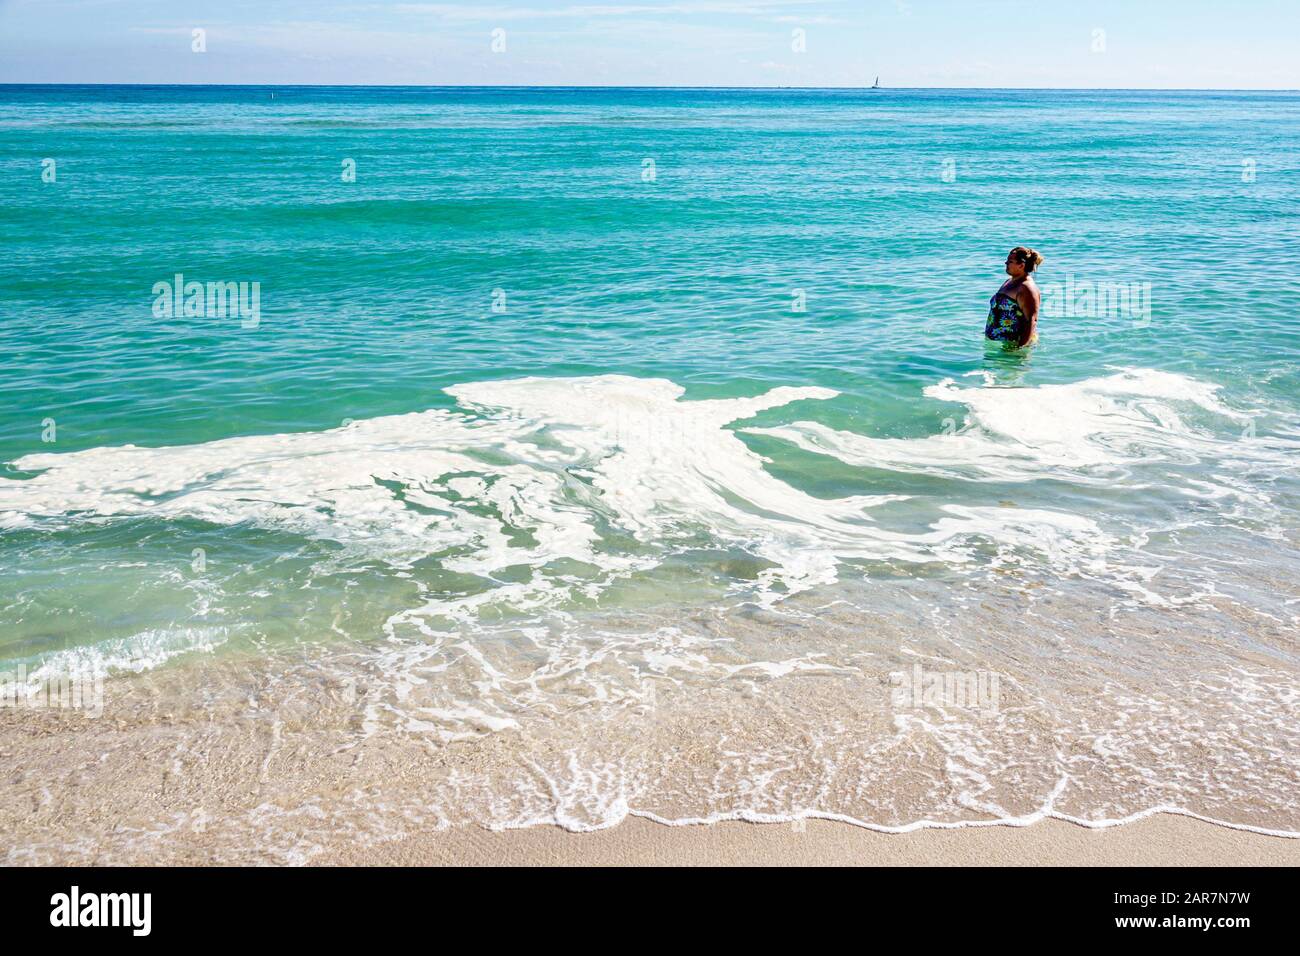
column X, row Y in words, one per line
column 614, row 474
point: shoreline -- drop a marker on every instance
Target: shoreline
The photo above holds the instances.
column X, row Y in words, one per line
column 325, row 756
column 1162, row 839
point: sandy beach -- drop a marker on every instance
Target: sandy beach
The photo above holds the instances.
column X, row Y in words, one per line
column 1161, row 840
column 220, row 764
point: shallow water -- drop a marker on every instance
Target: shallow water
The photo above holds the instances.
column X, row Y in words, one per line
column 537, row 451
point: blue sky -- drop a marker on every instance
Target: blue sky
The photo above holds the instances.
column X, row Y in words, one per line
column 991, row 43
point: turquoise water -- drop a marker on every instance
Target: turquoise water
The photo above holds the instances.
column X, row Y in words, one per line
column 458, row 411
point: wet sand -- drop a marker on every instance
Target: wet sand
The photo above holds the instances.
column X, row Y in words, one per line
column 1160, row 840
column 349, row 757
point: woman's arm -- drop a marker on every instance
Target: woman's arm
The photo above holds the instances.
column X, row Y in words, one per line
column 1028, row 298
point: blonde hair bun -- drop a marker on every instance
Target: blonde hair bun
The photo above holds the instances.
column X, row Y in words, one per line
column 1032, row 258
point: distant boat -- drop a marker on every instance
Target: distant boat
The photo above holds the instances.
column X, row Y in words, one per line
column 877, row 84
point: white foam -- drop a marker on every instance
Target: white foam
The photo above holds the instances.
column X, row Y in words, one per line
column 587, row 481
column 614, row 474
column 1089, row 431
column 139, row 652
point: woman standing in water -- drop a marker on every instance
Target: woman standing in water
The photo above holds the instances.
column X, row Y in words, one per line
column 1013, row 310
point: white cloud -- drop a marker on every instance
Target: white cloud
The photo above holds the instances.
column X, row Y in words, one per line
column 459, row 11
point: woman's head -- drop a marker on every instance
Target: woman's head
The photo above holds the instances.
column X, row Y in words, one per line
column 1022, row 260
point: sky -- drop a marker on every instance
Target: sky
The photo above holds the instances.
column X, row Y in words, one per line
column 1179, row 44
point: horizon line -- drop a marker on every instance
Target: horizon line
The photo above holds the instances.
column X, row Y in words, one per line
column 567, row 86
column 615, row 86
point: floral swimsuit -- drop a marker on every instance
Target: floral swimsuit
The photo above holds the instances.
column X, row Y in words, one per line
column 1005, row 320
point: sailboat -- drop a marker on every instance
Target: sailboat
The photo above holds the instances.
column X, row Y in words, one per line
column 876, row 86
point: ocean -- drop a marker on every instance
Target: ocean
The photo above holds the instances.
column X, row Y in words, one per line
column 573, row 453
